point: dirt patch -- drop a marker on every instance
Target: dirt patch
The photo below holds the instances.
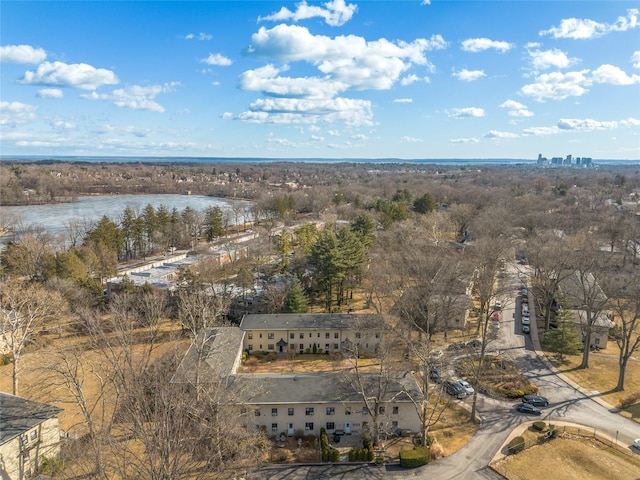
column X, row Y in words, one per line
column 569, row 457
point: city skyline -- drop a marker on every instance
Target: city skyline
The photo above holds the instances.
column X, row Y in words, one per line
column 336, row 79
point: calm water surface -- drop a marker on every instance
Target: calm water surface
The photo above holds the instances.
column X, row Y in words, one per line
column 54, row 218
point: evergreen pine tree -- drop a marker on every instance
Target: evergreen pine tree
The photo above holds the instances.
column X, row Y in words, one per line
column 296, row 302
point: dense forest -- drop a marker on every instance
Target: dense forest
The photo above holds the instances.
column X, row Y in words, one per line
column 408, row 239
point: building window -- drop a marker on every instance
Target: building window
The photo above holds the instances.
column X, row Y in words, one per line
column 270, row 346
column 292, row 336
column 250, row 347
column 358, row 335
column 250, row 336
column 308, row 411
column 25, row 440
column 331, row 411
column 270, row 336
column 395, row 410
column 326, row 347
column 326, row 335
column 290, row 411
column 274, row 412
column 336, row 335
column 318, row 334
column 310, row 334
column 302, row 335
column 256, row 412
column 377, row 335
column 260, row 335
column 308, row 426
column 347, row 411
column 292, row 346
column 33, row 434
column 365, row 410
column 336, row 346
column 394, row 425
column 274, row 427
column 381, row 410
column 260, row 346
column 330, row 426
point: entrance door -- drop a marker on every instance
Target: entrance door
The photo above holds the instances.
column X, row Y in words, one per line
column 290, row 430
column 280, row 348
column 347, row 428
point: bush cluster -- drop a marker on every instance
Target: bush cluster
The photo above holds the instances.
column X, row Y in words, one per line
column 630, row 400
column 362, row 454
column 539, row 426
column 516, row 389
column 516, row 444
column 415, row 458
column 328, row 454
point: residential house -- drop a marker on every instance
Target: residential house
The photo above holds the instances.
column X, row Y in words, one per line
column 28, row 433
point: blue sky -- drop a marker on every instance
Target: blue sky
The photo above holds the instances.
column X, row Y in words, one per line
column 333, row 79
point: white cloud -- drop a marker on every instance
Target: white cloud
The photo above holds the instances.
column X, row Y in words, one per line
column 77, row 75
column 466, row 112
column 306, row 110
column 63, row 125
column 468, row 75
column 16, row 113
column 409, row 79
column 585, row 125
column 135, row 96
column 630, row 122
column 408, row 139
column 359, row 136
column 317, row 138
column 425, row 2
column 198, row 36
column 50, row 93
column 333, row 133
column 335, row 13
column 403, row 100
column 495, row 134
column 464, row 140
column 545, row 59
column 558, row 86
column 217, row 59
column 612, row 75
column 481, row 44
column 516, row 109
column 540, row 131
column 581, row 29
column 21, row 54
column 635, row 59
column 227, row 115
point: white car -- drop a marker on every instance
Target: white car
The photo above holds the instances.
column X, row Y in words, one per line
column 498, row 305
column 636, row 443
column 525, row 329
column 526, row 320
column 468, row 389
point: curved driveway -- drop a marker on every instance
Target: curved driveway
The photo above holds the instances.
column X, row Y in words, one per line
column 569, row 403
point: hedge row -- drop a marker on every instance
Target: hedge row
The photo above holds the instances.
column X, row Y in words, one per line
column 328, row 454
column 415, row 458
column 516, row 445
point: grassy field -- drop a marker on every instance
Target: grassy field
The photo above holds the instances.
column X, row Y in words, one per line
column 569, row 457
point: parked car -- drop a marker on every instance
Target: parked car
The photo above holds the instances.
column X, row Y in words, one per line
column 475, row 343
column 526, row 320
column 526, row 329
column 636, row 443
column 525, row 309
column 535, row 400
column 525, row 292
column 434, row 374
column 468, row 389
column 498, row 305
column 529, row 409
column 454, row 390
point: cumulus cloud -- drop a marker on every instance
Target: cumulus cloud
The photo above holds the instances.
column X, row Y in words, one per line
column 464, row 140
column 217, row 59
column 540, row 131
column 635, row 59
column 135, row 96
column 317, row 138
column 335, row 13
column 613, row 75
column 545, row 59
column 558, row 86
column 412, row 78
column 403, row 100
column 306, row 110
column 475, row 45
column 516, row 109
column 227, row 115
column 50, row 93
column 62, row 125
column 468, row 75
column 466, row 112
column 76, row 75
column 198, row 36
column 583, row 29
column 16, row 113
column 496, row 134
column 21, row 54
column 585, row 125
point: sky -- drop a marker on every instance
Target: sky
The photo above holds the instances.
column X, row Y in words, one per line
column 406, row 79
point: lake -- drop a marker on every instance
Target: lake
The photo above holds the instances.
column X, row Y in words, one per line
column 55, row 217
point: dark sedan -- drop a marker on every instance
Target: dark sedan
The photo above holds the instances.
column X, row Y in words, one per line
column 535, row 400
column 529, row 409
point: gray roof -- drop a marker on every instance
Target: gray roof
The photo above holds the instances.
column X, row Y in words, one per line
column 310, row 321
column 220, row 347
column 312, row 388
column 19, row 415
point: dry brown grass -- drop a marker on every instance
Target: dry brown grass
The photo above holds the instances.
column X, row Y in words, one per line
column 307, row 363
column 602, row 376
column 569, row 457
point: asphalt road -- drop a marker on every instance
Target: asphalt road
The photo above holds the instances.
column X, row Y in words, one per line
column 568, row 403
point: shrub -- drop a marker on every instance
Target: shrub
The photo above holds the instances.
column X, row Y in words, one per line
column 270, row 357
column 51, row 466
column 252, row 361
column 5, row 360
column 516, row 445
column 539, row 426
column 415, row 458
column 630, row 400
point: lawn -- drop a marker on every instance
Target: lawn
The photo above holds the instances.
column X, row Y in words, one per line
column 569, row 457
